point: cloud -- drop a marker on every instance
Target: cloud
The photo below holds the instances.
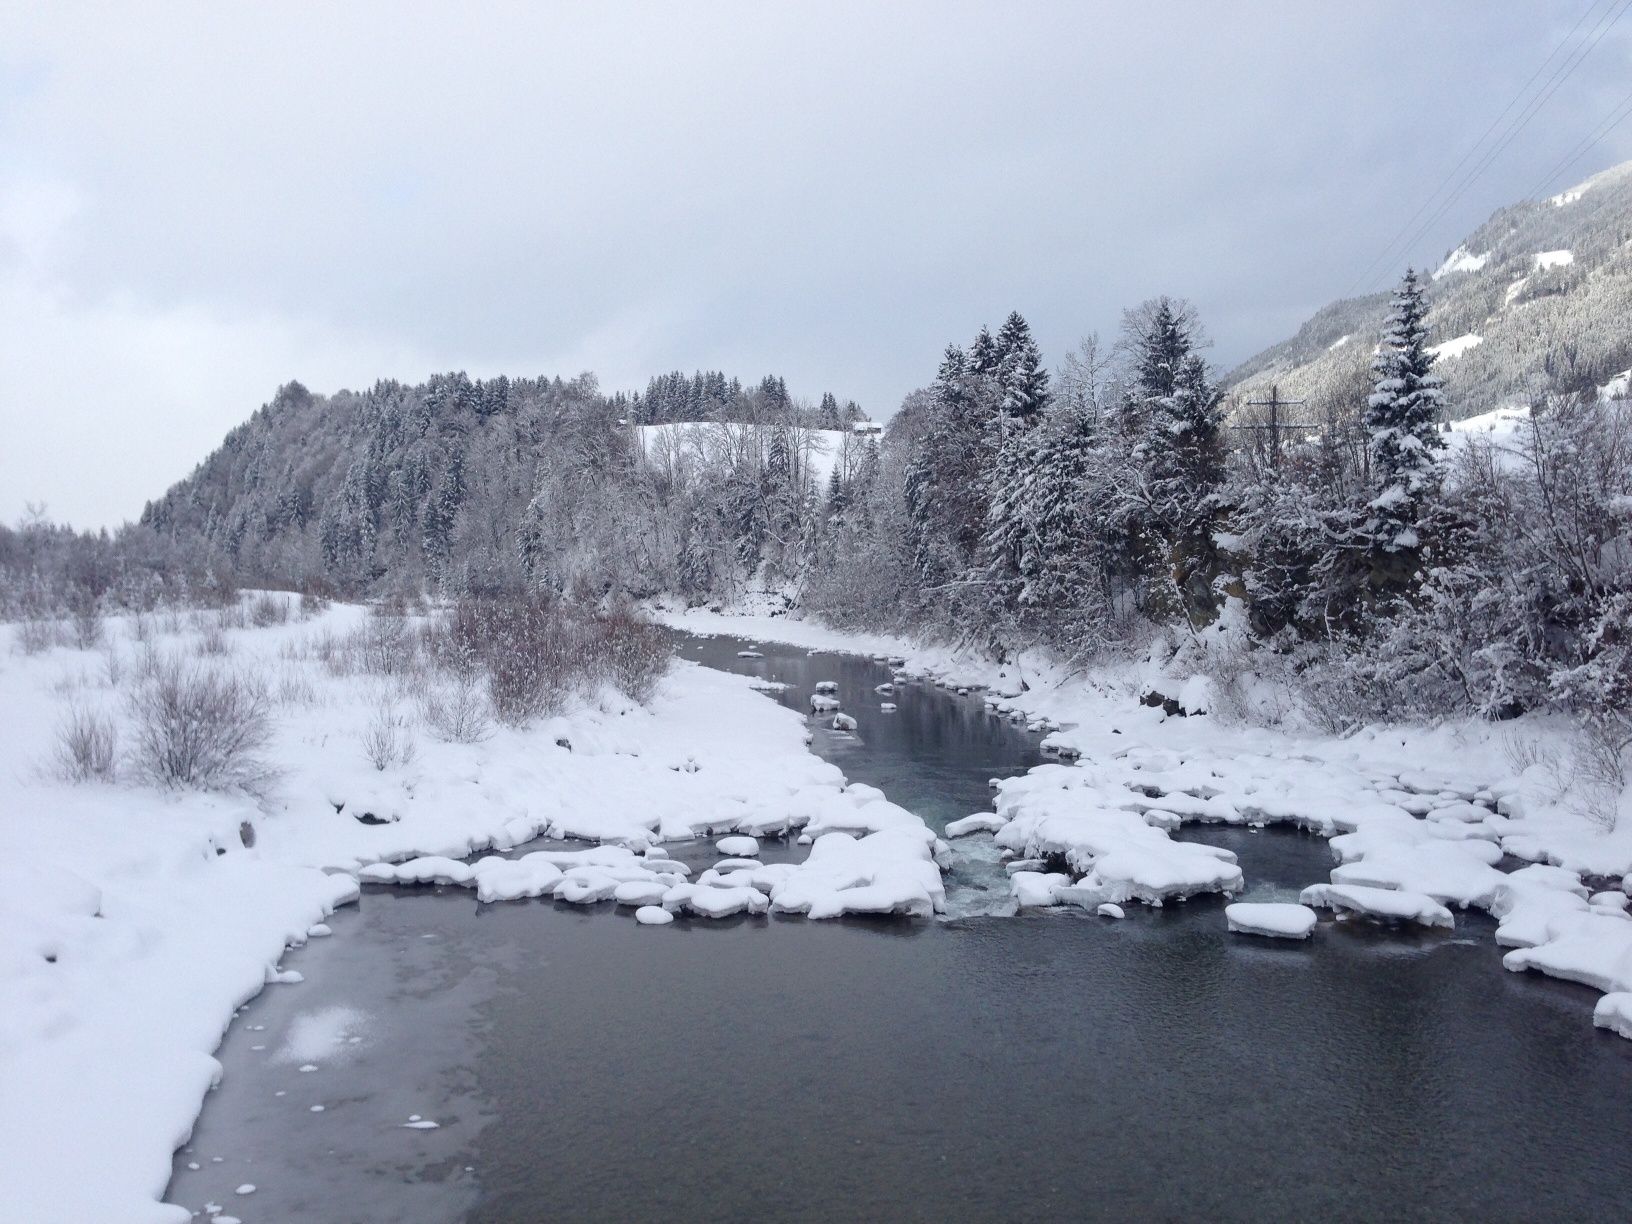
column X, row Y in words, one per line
column 199, row 202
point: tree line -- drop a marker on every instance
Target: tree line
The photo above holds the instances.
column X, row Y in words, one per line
column 1113, row 506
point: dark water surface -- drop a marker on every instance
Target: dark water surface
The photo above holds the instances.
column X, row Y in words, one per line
column 1045, row 1066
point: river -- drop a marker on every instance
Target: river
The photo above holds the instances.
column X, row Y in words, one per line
column 975, row 1067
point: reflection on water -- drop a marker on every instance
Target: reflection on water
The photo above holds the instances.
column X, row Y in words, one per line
column 976, row 1069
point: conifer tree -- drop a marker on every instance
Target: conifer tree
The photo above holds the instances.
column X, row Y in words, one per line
column 1020, row 371
column 1402, row 418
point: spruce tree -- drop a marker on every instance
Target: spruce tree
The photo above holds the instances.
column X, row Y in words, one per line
column 1020, row 371
column 1402, row 419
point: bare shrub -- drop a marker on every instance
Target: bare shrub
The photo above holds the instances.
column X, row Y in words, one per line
column 384, row 646
column 113, row 666
column 388, row 740
column 87, row 746
column 213, row 640
column 314, row 601
column 38, row 634
column 171, row 621
column 635, row 652
column 267, row 609
column 295, row 688
column 201, row 727
column 1603, row 752
column 232, row 616
column 86, row 622
column 141, row 627
column 458, row 715
column 533, row 653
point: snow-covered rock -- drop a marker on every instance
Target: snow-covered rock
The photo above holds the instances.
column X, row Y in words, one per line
column 1276, row 920
column 1614, row 1012
column 1378, row 904
column 1034, row 889
column 980, row 822
column 738, row 845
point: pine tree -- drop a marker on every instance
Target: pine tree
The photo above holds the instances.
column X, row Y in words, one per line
column 1402, row 418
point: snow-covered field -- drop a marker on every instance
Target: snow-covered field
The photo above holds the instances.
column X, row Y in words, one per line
column 134, row 921
column 817, row 451
column 1422, row 821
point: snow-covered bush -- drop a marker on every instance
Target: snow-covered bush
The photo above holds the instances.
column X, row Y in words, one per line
column 534, row 654
column 636, row 652
column 388, row 740
column 456, row 714
column 268, row 609
column 87, row 745
column 86, row 621
column 37, row 634
column 200, row 726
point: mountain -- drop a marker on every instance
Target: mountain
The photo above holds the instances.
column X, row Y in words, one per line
column 1537, row 299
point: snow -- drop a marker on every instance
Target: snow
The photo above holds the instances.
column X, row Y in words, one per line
column 653, row 915
column 1553, row 259
column 1461, row 260
column 133, row 923
column 1339, row 342
column 745, row 847
column 1513, row 290
column 1618, row 387
column 1110, row 910
column 1277, row 920
column 1455, row 348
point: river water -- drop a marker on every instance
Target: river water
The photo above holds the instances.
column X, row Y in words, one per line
column 975, row 1067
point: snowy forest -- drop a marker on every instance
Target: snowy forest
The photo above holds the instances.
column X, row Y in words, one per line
column 1116, row 506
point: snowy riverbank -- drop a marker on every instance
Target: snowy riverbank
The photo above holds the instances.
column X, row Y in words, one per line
column 1419, row 818
column 134, row 921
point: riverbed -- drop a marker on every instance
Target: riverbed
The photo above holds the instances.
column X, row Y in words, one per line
column 977, row 1066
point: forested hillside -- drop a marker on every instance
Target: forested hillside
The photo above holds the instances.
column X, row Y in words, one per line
column 1538, row 299
column 461, row 485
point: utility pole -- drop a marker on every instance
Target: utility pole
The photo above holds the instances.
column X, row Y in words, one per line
column 1275, row 403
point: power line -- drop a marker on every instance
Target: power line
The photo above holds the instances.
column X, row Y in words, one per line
column 1617, row 116
column 1562, row 73
column 1365, row 274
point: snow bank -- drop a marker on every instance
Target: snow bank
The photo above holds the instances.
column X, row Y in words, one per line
column 1554, row 259
column 133, row 923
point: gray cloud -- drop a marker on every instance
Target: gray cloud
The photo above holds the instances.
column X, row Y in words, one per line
column 199, row 202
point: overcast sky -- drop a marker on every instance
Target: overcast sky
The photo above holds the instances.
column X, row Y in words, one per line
column 199, row 202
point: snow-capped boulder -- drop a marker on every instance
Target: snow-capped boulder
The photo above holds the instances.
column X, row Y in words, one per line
column 1275, row 920
column 1378, row 904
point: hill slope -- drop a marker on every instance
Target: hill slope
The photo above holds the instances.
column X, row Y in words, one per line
column 1538, row 298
